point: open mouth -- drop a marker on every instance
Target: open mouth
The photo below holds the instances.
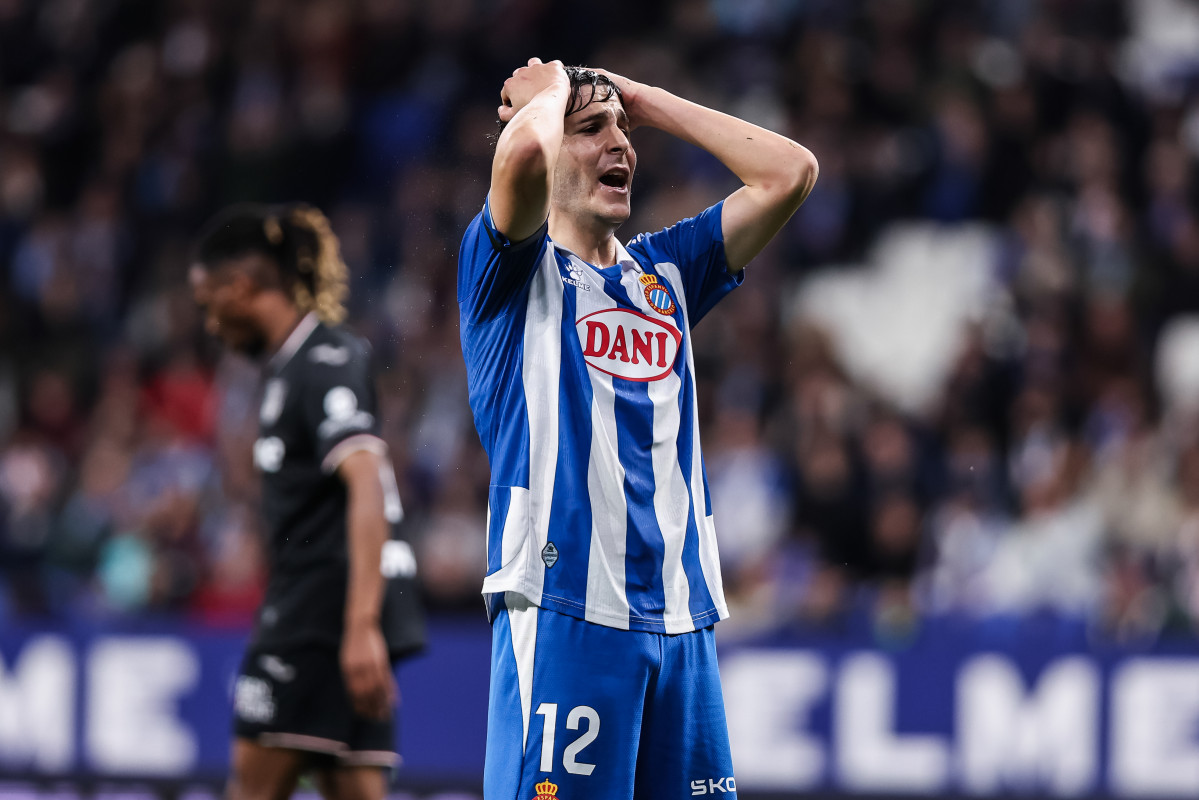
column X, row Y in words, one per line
column 617, row 178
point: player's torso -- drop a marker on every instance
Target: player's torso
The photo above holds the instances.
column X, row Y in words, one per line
column 612, row 477
column 606, row 369
column 304, row 506
column 627, row 324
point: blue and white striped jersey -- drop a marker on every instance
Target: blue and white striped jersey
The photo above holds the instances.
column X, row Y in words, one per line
column 582, row 384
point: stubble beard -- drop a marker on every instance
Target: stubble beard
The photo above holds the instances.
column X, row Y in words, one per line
column 575, row 198
column 248, row 341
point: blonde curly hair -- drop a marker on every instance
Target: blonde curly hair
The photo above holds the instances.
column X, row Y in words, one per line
column 322, row 284
column 298, row 240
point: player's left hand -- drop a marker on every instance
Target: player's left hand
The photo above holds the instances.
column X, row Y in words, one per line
column 367, row 671
column 632, row 95
column 526, row 83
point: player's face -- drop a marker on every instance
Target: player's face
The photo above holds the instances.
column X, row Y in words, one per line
column 594, row 174
column 225, row 294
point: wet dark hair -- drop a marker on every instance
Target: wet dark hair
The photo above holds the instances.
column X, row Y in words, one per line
column 603, row 89
column 297, row 239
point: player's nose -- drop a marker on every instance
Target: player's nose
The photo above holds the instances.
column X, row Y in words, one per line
column 619, row 141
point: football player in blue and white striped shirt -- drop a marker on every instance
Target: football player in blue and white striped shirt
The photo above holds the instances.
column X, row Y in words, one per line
column 603, row 579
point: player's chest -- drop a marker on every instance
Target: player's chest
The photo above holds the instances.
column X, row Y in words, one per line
column 281, row 433
column 627, row 323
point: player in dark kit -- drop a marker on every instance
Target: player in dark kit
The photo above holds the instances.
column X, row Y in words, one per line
column 316, row 689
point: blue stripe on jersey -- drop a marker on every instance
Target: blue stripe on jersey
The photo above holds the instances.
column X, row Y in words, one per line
column 699, row 601
column 570, row 512
column 497, row 395
column 707, row 491
column 612, row 287
column 643, row 560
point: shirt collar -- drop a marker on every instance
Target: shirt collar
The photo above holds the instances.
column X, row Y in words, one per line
column 623, row 259
column 294, row 341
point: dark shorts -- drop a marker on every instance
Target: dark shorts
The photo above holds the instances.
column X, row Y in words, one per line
column 296, row 699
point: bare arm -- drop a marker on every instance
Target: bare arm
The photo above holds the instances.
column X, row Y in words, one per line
column 364, row 658
column 534, row 104
column 776, row 172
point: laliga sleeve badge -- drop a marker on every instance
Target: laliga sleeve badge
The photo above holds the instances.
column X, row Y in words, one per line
column 657, row 295
column 546, row 791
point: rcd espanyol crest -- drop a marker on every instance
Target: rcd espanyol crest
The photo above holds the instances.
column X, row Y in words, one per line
column 657, row 295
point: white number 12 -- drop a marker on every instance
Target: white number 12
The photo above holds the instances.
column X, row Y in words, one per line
column 549, row 711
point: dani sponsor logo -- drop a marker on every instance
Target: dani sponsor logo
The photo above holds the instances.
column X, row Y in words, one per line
column 626, row 344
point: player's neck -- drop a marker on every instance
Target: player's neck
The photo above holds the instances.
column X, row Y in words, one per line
column 278, row 319
column 594, row 243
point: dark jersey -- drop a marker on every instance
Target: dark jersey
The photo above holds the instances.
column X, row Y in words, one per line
column 319, row 406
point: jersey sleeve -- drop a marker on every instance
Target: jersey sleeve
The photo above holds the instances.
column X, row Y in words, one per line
column 492, row 270
column 696, row 247
column 340, row 409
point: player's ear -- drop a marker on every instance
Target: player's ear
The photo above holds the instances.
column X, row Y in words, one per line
column 197, row 279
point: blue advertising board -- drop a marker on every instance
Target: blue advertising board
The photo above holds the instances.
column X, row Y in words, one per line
column 953, row 707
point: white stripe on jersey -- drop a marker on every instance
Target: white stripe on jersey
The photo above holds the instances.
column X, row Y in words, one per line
column 541, row 374
column 709, row 559
column 512, row 537
column 522, row 621
column 670, row 489
column 514, row 541
column 607, row 603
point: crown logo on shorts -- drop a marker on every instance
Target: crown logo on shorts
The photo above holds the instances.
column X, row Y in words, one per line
column 546, row 790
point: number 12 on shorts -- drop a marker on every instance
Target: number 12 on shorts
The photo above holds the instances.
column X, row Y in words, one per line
column 570, row 757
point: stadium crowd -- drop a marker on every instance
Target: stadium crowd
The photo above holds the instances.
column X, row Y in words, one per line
column 1051, row 467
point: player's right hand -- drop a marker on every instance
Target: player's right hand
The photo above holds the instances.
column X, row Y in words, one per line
column 527, row 82
column 632, row 96
column 367, row 671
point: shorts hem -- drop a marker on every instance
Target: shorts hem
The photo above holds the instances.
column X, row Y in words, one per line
column 493, row 598
column 299, row 741
column 370, row 758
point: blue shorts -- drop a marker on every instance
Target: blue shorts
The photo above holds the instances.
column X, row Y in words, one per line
column 580, row 711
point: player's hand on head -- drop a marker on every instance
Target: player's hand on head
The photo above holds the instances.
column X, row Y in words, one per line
column 527, row 82
column 366, row 667
column 631, row 94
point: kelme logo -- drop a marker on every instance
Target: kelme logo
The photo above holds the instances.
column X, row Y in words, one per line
column 549, row 554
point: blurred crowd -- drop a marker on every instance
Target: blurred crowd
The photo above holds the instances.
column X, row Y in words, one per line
column 1055, row 469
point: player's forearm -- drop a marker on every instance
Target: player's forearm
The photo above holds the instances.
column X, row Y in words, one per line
column 533, row 136
column 366, row 533
column 763, row 160
column 523, row 167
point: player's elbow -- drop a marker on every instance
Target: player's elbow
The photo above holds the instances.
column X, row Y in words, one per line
column 800, row 172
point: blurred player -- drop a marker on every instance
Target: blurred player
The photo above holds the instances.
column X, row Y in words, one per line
column 315, row 690
column 603, row 580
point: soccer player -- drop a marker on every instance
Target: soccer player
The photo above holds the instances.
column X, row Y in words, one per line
column 603, row 580
column 315, row 690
